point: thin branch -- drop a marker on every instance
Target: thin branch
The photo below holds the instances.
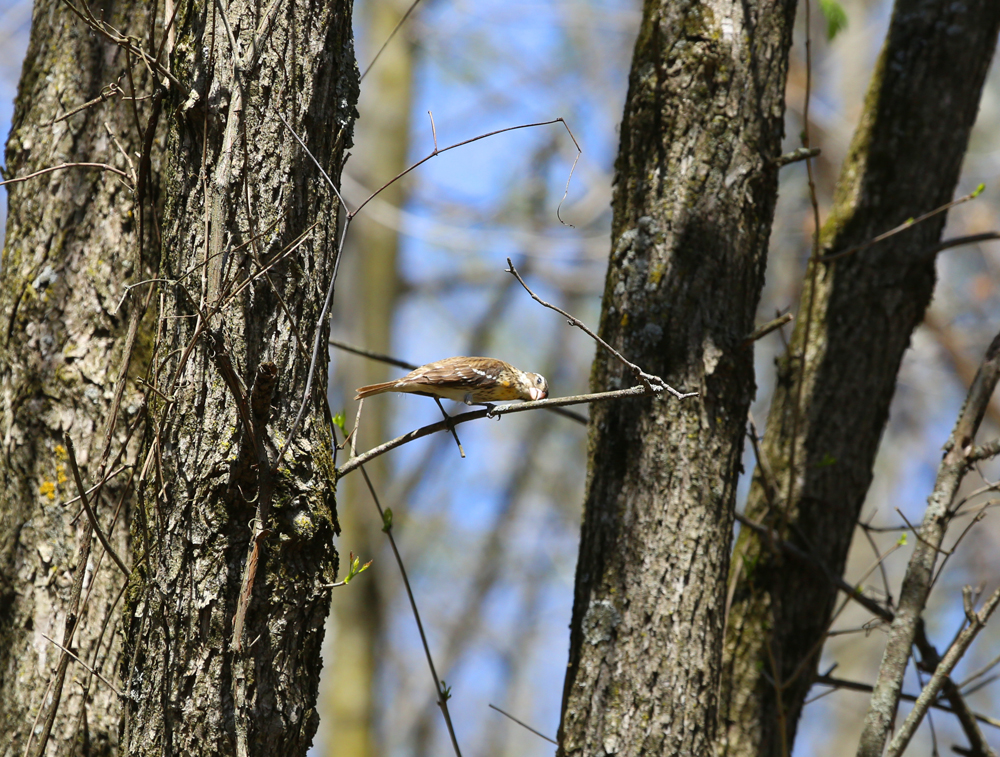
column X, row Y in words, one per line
column 930, row 692
column 438, row 683
column 316, row 344
column 763, row 330
column 92, row 671
column 109, row 91
column 916, row 532
column 920, row 570
column 126, row 44
column 316, row 163
column 648, row 380
column 867, row 602
column 86, row 506
column 579, row 153
column 796, row 156
column 986, row 451
column 947, row 244
column 524, row 725
column 930, row 660
column 98, row 485
column 906, row 225
column 63, row 166
column 842, row 683
column 494, row 412
column 388, row 359
column 388, row 39
column 464, row 142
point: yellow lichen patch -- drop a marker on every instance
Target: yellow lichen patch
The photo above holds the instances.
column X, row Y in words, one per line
column 656, row 273
column 61, row 452
column 47, row 489
column 61, row 473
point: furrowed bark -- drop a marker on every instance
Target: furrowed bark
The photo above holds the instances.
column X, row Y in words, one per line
column 904, row 161
column 693, row 204
column 71, row 246
column 216, row 503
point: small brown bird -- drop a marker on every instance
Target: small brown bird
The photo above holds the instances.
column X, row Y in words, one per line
column 472, row 380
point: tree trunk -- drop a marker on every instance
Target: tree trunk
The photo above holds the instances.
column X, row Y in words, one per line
column 217, row 499
column 227, row 361
column 854, row 323
column 693, row 204
column 71, row 246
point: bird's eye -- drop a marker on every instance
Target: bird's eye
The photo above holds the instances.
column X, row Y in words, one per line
column 538, row 380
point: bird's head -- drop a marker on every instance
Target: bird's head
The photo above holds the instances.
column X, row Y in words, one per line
column 533, row 386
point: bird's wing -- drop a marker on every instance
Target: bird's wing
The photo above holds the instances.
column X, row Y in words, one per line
column 462, row 374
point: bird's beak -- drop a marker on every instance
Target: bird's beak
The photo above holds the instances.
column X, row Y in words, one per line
column 537, row 394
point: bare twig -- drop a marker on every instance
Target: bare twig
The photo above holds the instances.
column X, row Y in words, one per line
column 388, row 39
column 851, row 591
column 841, row 683
column 86, row 505
column 443, row 695
column 930, row 660
column 986, row 451
column 796, row 156
column 94, row 672
column 920, row 570
column 648, row 380
column 464, row 142
column 109, row 91
column 388, row 359
column 524, row 725
column 951, row 658
column 98, row 485
column 126, row 44
column 493, row 412
column 63, row 166
column 947, row 244
column 906, row 225
column 928, row 653
column 763, row 330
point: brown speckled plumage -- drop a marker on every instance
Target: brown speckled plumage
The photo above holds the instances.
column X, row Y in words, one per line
column 472, row 380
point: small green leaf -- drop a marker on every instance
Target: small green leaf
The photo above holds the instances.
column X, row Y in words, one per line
column 902, row 540
column 339, row 420
column 386, row 519
column 445, row 691
column 979, row 190
column 355, row 568
column 827, row 461
column 835, row 15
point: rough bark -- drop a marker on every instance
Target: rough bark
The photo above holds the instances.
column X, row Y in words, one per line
column 71, row 246
column 693, row 205
column 214, row 495
column 904, row 161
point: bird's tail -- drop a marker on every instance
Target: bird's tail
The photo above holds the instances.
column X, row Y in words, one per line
column 371, row 389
